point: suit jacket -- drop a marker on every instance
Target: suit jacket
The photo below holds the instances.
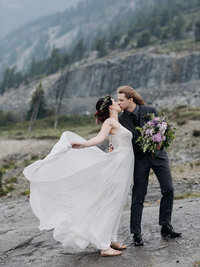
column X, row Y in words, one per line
column 126, row 120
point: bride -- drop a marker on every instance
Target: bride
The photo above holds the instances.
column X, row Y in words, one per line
column 79, row 191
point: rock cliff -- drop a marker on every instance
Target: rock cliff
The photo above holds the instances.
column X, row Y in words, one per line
column 163, row 80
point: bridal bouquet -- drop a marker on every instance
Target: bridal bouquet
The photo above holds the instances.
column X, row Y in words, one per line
column 157, row 131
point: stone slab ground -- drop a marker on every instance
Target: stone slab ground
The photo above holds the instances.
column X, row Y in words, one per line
column 22, row 244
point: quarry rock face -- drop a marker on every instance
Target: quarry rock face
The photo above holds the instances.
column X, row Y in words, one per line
column 163, row 80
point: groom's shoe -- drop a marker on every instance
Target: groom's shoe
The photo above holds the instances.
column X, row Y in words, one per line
column 168, row 230
column 137, row 240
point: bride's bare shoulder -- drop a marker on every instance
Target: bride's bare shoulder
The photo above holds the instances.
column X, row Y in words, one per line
column 111, row 121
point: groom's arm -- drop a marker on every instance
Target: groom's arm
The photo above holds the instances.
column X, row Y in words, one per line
column 150, row 109
column 154, row 110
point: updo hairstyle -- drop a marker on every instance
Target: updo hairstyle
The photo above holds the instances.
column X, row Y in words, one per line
column 102, row 107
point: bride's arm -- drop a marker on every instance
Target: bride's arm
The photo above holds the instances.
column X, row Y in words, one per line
column 105, row 129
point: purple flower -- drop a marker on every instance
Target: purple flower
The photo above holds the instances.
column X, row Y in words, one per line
column 150, row 123
column 147, row 132
column 157, row 138
column 151, row 131
column 156, row 119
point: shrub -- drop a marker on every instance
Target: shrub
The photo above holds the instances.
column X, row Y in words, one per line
column 7, row 118
column 196, row 133
column 144, row 39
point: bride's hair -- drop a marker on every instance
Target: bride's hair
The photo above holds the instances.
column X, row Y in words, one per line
column 102, row 107
column 131, row 93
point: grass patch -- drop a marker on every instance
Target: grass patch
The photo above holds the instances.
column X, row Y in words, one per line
column 187, row 195
column 9, row 165
column 34, row 157
column 82, row 125
column 12, row 180
column 25, row 193
column 6, row 190
column 43, row 128
column 188, row 45
column 182, row 113
column 95, row 130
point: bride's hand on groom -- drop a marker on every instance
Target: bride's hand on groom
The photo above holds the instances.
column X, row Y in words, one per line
column 110, row 149
column 77, row 145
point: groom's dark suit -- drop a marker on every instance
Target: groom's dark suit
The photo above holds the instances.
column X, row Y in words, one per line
column 143, row 163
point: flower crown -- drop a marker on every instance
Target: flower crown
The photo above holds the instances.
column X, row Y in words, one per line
column 105, row 101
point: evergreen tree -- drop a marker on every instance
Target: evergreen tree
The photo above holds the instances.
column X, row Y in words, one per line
column 101, row 47
column 113, row 41
column 11, row 79
column 54, row 62
column 144, row 39
column 177, row 29
column 32, row 69
column 78, row 51
column 165, row 17
column 37, row 105
column 197, row 31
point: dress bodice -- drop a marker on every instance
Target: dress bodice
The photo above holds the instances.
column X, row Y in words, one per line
column 123, row 138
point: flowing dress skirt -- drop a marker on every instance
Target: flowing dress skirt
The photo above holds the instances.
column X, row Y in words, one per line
column 80, row 193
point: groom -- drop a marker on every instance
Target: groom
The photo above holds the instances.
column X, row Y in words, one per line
column 135, row 114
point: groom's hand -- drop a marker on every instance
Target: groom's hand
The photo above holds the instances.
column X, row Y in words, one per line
column 158, row 147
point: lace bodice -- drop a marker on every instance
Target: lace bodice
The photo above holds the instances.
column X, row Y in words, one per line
column 122, row 138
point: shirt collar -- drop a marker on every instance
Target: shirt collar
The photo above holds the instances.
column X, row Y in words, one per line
column 135, row 111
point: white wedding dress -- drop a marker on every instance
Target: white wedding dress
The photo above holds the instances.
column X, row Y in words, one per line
column 81, row 192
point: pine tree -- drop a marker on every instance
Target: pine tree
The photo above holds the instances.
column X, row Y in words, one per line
column 78, row 51
column 101, row 47
column 37, row 106
column 144, row 39
column 197, row 31
column 165, row 17
column 60, row 90
column 177, row 29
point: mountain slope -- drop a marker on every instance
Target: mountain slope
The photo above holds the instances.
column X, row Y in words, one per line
column 61, row 30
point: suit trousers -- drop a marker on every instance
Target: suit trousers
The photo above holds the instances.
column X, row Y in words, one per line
column 160, row 166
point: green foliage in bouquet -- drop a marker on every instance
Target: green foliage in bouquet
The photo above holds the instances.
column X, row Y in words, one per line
column 157, row 131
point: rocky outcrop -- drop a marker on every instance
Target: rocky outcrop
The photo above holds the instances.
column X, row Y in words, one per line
column 140, row 70
column 167, row 79
column 161, row 79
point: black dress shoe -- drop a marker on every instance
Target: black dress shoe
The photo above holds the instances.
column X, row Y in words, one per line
column 168, row 230
column 137, row 240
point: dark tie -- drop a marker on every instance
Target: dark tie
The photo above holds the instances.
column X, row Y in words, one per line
column 134, row 120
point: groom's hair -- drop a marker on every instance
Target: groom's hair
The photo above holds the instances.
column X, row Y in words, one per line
column 129, row 92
